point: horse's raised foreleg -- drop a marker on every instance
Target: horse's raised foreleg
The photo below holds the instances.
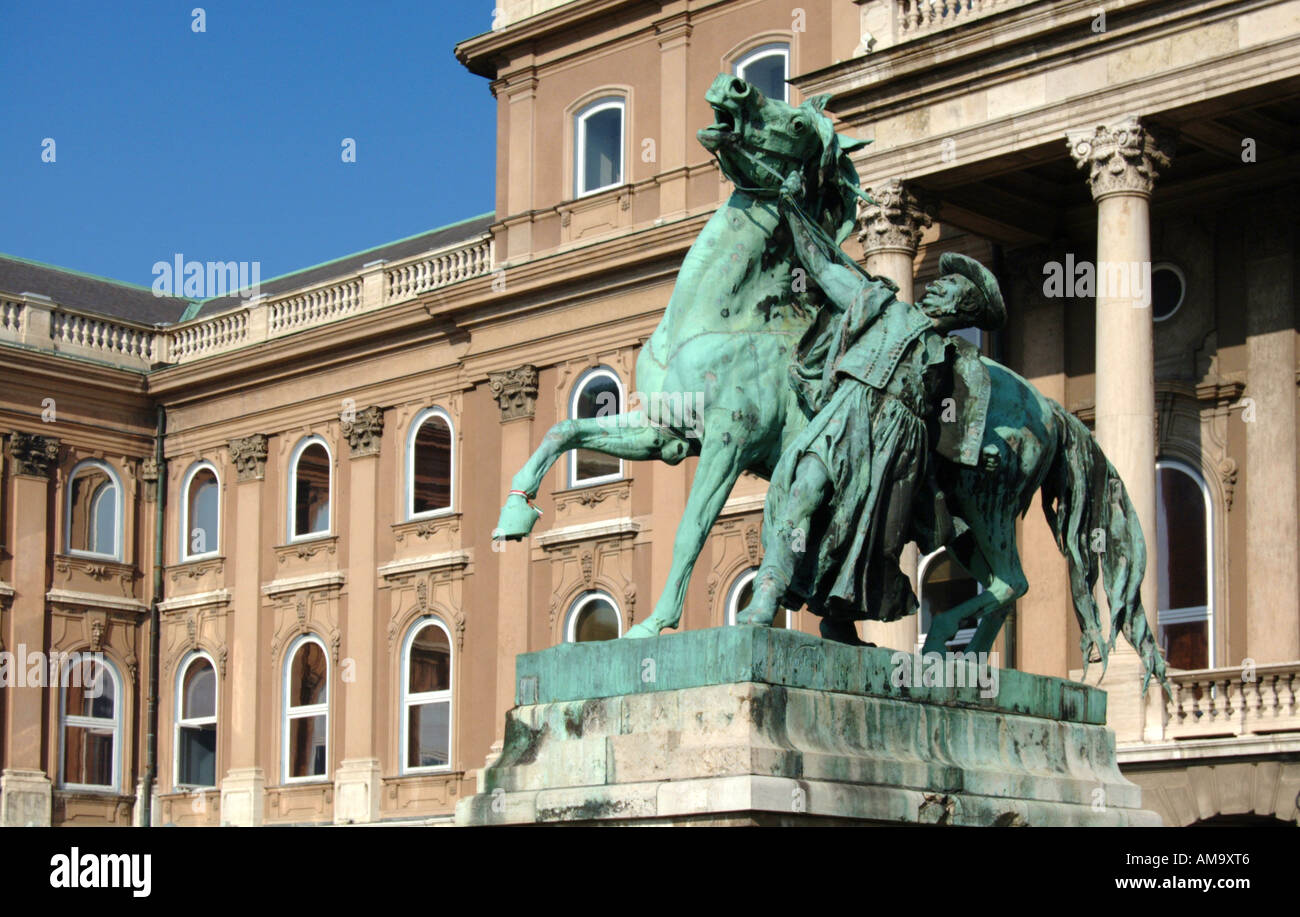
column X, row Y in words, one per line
column 627, row 436
column 720, row 466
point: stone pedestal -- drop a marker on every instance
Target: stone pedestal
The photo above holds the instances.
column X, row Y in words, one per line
column 243, row 797
column 26, row 799
column 356, row 792
column 750, row 725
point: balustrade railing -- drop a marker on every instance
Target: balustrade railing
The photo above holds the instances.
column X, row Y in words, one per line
column 1232, row 702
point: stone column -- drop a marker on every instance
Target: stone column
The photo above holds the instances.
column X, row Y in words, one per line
column 1268, row 411
column 357, row 780
column 516, row 393
column 890, row 232
column 521, row 101
column 26, row 792
column 243, row 791
column 1123, row 159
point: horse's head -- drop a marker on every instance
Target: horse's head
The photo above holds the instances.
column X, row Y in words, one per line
column 759, row 141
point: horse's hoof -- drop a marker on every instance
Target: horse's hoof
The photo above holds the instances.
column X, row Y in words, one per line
column 752, row 614
column 641, row 631
column 518, row 517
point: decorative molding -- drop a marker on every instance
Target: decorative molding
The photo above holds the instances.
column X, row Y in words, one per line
column 307, row 549
column 897, row 219
column 198, row 600
column 426, row 528
column 149, row 475
column 330, row 579
column 426, row 563
column 249, row 455
column 68, row 597
column 365, row 432
column 515, row 391
column 194, row 569
column 1123, row 157
column 588, row 530
column 33, row 454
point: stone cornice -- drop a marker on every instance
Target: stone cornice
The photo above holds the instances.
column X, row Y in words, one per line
column 93, row 600
column 426, row 562
column 197, row 600
column 330, row 579
column 586, row 531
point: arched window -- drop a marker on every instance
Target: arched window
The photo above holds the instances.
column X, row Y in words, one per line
column 592, row 617
column 196, row 722
column 945, row 584
column 598, row 146
column 767, row 67
column 426, row 693
column 429, row 468
column 598, row 393
column 1184, row 559
column 200, row 512
column 94, row 516
column 310, row 489
column 740, row 594
column 306, row 711
column 90, row 715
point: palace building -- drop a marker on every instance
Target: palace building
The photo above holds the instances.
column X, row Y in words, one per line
column 265, row 524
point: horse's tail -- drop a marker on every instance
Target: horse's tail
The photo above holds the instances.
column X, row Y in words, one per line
column 1096, row 528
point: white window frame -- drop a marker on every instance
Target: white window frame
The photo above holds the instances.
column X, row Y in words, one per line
column 118, row 508
column 962, row 637
column 410, row 700
column 92, row 722
column 1192, row 613
column 581, row 602
column 181, row 721
column 292, row 519
column 733, row 599
column 420, row 420
column 604, row 103
column 185, row 533
column 307, row 712
column 770, row 49
column 583, row 381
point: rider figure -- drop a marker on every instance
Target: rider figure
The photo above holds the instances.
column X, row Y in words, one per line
column 856, row 486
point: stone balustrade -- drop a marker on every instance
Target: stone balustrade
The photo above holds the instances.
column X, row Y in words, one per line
column 36, row 322
column 1233, row 702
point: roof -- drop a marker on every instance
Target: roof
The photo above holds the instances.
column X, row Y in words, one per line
column 87, row 292
column 350, row 264
column 116, row 299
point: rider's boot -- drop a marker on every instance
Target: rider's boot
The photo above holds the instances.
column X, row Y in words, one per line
column 842, row 630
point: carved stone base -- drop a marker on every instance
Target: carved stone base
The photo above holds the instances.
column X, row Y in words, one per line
column 26, row 799
column 356, row 792
column 243, row 797
column 746, row 725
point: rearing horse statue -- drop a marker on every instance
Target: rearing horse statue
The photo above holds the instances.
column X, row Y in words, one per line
column 729, row 329
column 737, row 314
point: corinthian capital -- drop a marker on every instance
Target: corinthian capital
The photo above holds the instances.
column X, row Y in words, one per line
column 515, row 391
column 249, row 456
column 897, row 219
column 365, row 431
column 1123, row 157
column 33, row 454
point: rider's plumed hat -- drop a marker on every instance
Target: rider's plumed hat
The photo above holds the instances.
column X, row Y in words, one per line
column 991, row 314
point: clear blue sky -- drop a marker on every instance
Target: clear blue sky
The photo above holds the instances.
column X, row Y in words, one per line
column 225, row 145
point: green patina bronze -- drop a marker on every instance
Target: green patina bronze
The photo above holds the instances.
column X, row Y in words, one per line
column 874, row 428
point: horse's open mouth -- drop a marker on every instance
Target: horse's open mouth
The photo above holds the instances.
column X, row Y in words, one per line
column 724, row 123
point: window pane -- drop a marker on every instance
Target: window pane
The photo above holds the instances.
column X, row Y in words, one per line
column 199, row 697
column 598, row 398
column 93, row 522
column 89, row 690
column 431, row 487
column 430, row 661
column 198, row 756
column 767, row 73
column 1186, row 645
column 307, row 684
column 313, row 491
column 307, row 746
column 202, row 513
column 604, row 133
column 947, row 585
column 1181, row 531
column 428, row 734
column 88, row 755
column 598, row 620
